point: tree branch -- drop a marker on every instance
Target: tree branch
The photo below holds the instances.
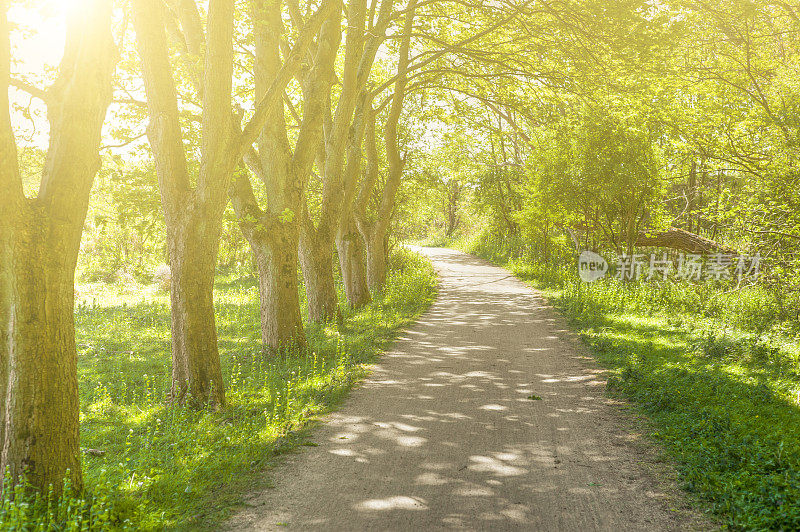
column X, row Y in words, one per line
column 83, row 92
column 164, row 130
column 388, row 83
column 123, row 144
column 265, row 107
column 34, row 91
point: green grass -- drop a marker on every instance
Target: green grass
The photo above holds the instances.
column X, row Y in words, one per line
column 716, row 371
column 149, row 465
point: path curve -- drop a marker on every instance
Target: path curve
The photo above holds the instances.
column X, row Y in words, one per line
column 447, row 432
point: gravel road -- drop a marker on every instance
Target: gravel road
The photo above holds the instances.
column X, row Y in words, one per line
column 487, row 414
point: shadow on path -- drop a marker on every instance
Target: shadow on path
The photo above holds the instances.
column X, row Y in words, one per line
column 486, row 414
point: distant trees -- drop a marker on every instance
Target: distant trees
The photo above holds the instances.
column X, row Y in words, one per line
column 39, row 242
column 603, row 179
column 593, row 125
column 741, row 124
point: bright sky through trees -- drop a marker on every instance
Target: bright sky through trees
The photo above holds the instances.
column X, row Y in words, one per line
column 37, row 47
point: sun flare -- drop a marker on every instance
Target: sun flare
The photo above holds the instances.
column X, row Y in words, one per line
column 39, row 39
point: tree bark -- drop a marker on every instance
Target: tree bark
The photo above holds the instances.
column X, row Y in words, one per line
column 281, row 319
column 11, row 201
column 320, row 289
column 352, row 262
column 376, row 261
column 316, row 260
column 273, row 243
column 39, row 243
column 373, row 231
column 194, row 212
column 40, row 410
column 196, row 370
column 453, row 195
column 349, row 244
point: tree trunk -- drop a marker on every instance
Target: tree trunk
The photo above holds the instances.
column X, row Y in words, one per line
column 375, row 233
column 453, row 198
column 274, row 243
column 691, row 196
column 196, row 371
column 681, row 240
column 39, row 243
column 376, row 261
column 281, row 320
column 6, row 305
column 284, row 172
column 316, row 260
column 40, row 406
column 352, row 262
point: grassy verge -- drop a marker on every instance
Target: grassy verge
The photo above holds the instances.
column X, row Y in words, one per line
column 715, row 370
column 151, row 466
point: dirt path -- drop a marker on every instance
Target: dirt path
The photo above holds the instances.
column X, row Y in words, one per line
column 448, row 432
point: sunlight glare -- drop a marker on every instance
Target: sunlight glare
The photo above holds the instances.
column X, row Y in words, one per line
column 40, row 44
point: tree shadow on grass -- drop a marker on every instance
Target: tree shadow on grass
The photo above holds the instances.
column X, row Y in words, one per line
column 183, row 468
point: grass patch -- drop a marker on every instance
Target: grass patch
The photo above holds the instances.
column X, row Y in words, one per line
column 716, row 371
column 153, row 466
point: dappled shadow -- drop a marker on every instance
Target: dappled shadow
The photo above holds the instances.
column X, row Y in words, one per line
column 485, row 415
column 172, row 466
column 724, row 404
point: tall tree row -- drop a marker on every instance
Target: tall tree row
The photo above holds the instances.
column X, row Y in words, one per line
column 194, row 212
column 297, row 157
column 374, row 233
column 319, row 230
column 282, row 170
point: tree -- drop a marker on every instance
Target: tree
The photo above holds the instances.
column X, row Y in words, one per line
column 349, row 244
column 374, row 232
column 273, row 231
column 194, row 212
column 39, row 242
column 331, row 225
